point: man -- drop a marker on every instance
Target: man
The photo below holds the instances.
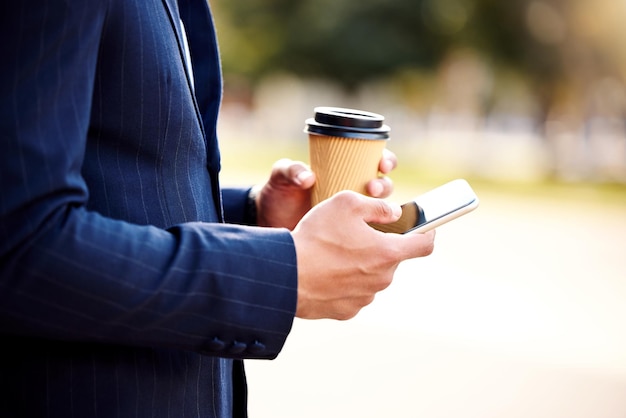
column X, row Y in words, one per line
column 122, row 293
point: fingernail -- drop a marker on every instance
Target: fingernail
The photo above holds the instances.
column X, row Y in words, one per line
column 396, row 209
column 302, row 177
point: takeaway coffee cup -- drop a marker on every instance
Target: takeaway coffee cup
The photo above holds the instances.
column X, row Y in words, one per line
column 345, row 147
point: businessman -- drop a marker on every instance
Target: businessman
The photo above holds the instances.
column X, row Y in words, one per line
column 129, row 284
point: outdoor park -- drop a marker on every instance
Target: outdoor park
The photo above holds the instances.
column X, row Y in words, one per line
column 520, row 311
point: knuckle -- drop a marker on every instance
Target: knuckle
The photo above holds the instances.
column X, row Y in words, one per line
column 346, row 316
column 352, row 307
column 429, row 246
column 348, row 198
column 391, row 254
column 385, row 281
column 385, row 210
column 282, row 163
column 296, row 166
column 425, row 245
column 348, row 312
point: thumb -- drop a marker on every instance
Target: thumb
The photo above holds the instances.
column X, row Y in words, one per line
column 380, row 211
column 287, row 172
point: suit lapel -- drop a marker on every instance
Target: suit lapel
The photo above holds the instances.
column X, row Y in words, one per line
column 202, row 42
column 196, row 16
column 174, row 16
column 172, row 10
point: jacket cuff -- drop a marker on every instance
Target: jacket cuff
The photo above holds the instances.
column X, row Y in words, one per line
column 240, row 205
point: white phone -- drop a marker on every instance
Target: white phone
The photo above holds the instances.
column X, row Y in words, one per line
column 434, row 208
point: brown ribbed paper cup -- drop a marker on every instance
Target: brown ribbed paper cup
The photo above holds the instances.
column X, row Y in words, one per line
column 345, row 148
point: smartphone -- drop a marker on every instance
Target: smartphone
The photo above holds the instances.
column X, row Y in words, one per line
column 434, row 208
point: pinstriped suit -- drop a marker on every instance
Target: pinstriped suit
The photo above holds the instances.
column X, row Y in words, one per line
column 121, row 294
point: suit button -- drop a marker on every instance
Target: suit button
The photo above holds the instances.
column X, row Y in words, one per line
column 237, row 347
column 256, row 348
column 216, row 344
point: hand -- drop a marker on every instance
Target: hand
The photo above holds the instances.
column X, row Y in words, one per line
column 342, row 261
column 285, row 198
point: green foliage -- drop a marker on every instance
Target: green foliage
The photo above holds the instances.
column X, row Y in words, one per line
column 349, row 41
column 499, row 30
column 353, row 41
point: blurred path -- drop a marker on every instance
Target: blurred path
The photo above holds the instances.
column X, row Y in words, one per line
column 520, row 312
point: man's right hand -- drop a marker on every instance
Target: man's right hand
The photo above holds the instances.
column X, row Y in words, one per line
column 342, row 261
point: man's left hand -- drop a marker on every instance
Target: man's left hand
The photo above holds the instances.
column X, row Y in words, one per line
column 284, row 199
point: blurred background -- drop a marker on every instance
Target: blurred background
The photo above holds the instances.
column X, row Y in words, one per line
column 521, row 310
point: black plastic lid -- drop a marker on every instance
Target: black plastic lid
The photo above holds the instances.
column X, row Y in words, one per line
column 348, row 123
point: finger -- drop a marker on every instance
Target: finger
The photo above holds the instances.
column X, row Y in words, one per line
column 388, row 162
column 301, row 175
column 286, row 171
column 413, row 245
column 380, row 187
column 368, row 208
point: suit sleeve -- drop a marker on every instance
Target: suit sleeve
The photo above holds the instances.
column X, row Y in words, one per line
column 70, row 274
column 238, row 206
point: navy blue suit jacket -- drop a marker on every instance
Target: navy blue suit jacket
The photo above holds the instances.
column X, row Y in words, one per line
column 121, row 292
